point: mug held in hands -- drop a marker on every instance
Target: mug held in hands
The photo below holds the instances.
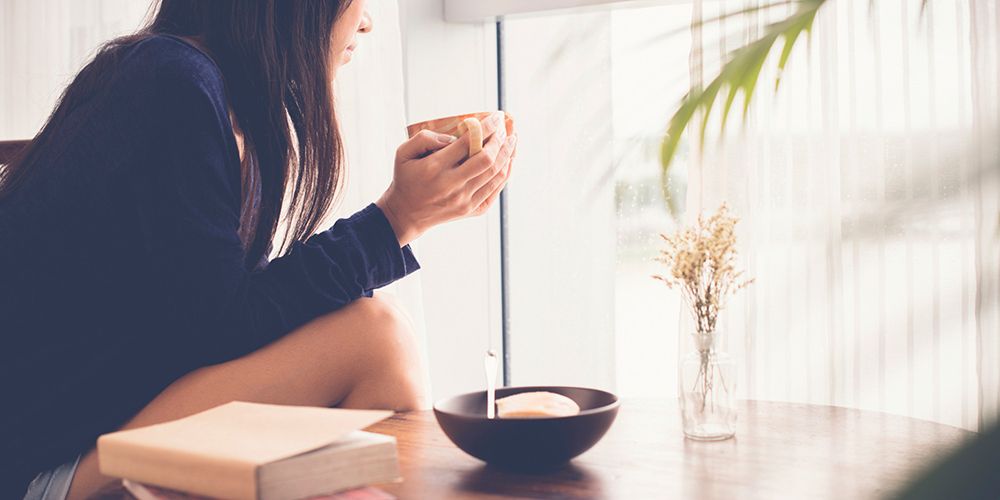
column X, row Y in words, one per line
column 460, row 125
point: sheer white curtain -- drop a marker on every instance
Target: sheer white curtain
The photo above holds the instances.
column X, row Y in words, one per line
column 372, row 115
column 868, row 189
column 982, row 165
column 43, row 43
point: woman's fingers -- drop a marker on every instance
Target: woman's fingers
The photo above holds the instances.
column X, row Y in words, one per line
column 459, row 150
column 488, row 193
column 483, row 170
column 423, row 143
column 494, row 123
column 484, row 206
column 482, row 163
column 492, row 198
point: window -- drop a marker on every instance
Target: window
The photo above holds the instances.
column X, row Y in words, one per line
column 591, row 92
column 857, row 183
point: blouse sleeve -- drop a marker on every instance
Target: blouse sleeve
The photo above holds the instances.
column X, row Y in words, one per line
column 189, row 199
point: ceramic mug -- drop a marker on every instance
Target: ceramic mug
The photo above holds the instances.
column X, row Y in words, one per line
column 449, row 125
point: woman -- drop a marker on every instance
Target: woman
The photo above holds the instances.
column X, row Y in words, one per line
column 135, row 285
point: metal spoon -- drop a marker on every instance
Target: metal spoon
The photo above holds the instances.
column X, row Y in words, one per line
column 490, row 364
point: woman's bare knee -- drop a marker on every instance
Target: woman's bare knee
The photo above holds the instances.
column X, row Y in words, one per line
column 388, row 369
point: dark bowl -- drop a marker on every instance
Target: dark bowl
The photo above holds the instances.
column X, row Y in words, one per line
column 527, row 444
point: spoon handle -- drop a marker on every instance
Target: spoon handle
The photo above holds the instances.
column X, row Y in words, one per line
column 490, row 364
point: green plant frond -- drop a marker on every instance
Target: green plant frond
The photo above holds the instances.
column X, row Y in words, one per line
column 739, row 74
column 673, row 136
column 709, row 96
column 725, row 110
column 790, row 38
column 749, row 81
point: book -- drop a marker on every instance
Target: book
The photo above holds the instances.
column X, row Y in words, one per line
column 141, row 491
column 255, row 451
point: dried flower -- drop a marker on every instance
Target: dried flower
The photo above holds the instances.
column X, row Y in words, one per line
column 702, row 264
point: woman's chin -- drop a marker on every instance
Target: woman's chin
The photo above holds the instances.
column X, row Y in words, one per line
column 338, row 63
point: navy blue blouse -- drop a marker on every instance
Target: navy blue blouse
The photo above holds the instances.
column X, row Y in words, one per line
column 121, row 268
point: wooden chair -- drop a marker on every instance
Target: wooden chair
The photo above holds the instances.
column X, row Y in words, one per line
column 9, row 148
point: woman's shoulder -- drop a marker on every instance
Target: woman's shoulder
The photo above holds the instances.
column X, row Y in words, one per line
column 167, row 61
column 162, row 50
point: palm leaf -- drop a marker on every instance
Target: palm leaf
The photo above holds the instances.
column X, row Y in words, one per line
column 739, row 74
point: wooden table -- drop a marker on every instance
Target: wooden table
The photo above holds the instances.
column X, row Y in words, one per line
column 781, row 450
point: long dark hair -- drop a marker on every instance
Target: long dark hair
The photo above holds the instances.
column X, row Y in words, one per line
column 274, row 58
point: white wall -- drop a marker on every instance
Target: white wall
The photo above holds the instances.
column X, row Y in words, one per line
column 450, row 69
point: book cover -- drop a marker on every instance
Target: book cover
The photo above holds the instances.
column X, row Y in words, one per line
column 218, row 452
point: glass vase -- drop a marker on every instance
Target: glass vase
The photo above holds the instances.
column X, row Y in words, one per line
column 707, row 390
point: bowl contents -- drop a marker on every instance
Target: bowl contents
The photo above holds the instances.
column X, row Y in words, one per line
column 539, row 404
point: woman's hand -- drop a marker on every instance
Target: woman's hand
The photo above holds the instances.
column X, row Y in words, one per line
column 434, row 181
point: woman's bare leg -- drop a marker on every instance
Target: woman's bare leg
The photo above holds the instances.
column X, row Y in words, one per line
column 362, row 356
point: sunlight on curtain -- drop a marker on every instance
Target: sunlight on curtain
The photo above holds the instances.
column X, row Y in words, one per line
column 869, row 212
column 982, row 167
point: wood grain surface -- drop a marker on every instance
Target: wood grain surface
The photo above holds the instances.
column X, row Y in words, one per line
column 781, row 450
